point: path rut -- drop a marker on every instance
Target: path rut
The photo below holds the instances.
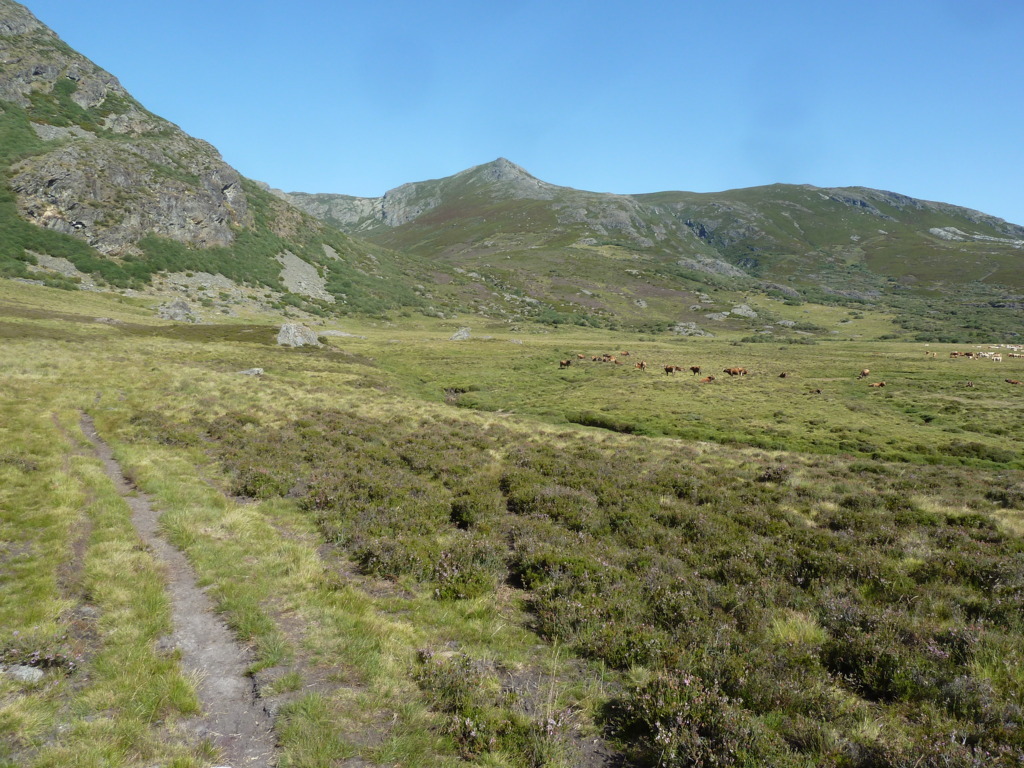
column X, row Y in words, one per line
column 233, row 717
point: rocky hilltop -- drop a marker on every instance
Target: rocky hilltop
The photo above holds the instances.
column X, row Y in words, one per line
column 111, row 172
column 102, row 193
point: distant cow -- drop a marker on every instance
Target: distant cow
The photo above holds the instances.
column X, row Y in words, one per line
column 564, row 363
column 783, row 375
column 864, row 374
column 642, row 365
column 1012, row 381
column 581, row 357
column 877, row 384
column 707, row 379
column 672, row 368
column 735, row 371
column 695, row 369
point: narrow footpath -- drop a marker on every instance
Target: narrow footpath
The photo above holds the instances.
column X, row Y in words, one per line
column 233, row 718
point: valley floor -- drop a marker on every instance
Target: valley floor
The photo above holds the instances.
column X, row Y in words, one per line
column 450, row 553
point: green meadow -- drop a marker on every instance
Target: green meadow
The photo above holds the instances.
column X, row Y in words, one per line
column 458, row 553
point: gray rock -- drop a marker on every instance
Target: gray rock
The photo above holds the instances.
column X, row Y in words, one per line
column 717, row 316
column 460, row 335
column 179, row 310
column 297, row 335
column 252, row 372
column 689, row 329
column 25, row 674
column 744, row 311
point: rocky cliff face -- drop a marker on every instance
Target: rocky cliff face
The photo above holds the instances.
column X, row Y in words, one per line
column 110, row 172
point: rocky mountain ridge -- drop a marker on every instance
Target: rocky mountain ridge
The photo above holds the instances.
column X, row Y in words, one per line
column 738, row 233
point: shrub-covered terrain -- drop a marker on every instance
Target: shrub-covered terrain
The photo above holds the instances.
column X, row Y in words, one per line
column 434, row 565
column 773, row 610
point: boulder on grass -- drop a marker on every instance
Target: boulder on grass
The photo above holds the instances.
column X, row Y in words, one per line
column 297, row 335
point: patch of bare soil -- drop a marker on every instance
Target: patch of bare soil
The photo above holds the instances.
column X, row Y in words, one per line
column 234, row 719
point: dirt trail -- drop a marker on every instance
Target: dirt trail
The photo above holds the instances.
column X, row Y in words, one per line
column 234, row 719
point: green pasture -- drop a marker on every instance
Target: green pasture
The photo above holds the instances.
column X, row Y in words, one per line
column 457, row 553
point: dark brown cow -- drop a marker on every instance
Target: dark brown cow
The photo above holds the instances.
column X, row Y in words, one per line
column 877, row 384
column 564, row 363
column 672, row 368
column 1012, row 381
column 735, row 371
column 783, row 375
column 695, row 369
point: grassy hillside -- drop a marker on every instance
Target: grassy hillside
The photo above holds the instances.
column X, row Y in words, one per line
column 643, row 260
column 457, row 553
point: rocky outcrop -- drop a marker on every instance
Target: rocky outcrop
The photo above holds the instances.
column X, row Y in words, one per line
column 179, row 310
column 297, row 335
column 689, row 329
column 115, row 172
column 114, row 194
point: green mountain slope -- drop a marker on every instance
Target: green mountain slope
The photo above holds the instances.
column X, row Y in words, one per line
column 652, row 255
column 118, row 195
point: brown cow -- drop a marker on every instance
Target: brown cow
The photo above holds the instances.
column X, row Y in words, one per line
column 1012, row 381
column 564, row 363
column 864, row 374
column 580, row 357
column 695, row 369
column 877, row 384
column 642, row 365
column 672, row 369
column 707, row 379
column 783, row 375
column 735, row 371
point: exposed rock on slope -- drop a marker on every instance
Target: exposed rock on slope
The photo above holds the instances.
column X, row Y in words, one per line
column 114, row 172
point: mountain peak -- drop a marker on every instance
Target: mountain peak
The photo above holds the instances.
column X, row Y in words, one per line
column 503, row 170
column 507, row 179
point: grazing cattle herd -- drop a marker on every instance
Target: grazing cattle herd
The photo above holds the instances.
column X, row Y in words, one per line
column 607, row 357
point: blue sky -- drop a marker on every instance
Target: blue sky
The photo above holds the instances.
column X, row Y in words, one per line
column 922, row 97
